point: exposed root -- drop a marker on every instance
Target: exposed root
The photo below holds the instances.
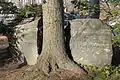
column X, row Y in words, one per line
column 49, row 65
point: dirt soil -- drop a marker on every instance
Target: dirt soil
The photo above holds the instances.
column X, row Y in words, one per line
column 27, row 73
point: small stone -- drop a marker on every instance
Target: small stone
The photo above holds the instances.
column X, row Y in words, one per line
column 4, row 42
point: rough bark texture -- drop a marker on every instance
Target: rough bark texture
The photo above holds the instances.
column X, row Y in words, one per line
column 53, row 56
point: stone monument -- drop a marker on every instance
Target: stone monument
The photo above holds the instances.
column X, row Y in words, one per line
column 91, row 42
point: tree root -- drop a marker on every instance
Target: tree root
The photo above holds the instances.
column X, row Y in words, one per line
column 49, row 65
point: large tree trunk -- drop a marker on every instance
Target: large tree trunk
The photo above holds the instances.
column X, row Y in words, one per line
column 53, row 56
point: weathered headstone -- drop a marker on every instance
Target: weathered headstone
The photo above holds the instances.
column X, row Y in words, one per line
column 91, row 42
column 28, row 44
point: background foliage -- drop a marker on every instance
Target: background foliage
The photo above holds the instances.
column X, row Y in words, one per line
column 9, row 29
column 32, row 10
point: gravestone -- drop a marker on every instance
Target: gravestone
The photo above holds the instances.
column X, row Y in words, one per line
column 28, row 41
column 91, row 42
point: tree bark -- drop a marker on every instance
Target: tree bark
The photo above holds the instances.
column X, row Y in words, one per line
column 53, row 56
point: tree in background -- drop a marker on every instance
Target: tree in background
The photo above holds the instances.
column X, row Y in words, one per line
column 32, row 10
column 94, row 8
column 90, row 8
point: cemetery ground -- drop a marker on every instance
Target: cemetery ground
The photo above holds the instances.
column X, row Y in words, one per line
column 93, row 73
column 26, row 74
column 90, row 44
column 29, row 73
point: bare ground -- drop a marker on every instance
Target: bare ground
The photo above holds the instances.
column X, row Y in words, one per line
column 28, row 73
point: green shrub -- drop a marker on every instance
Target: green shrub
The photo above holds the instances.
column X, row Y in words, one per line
column 32, row 10
column 116, row 41
column 82, row 6
column 10, row 29
column 7, row 8
column 103, row 73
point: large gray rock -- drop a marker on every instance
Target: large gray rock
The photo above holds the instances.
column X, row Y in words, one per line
column 28, row 44
column 91, row 42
